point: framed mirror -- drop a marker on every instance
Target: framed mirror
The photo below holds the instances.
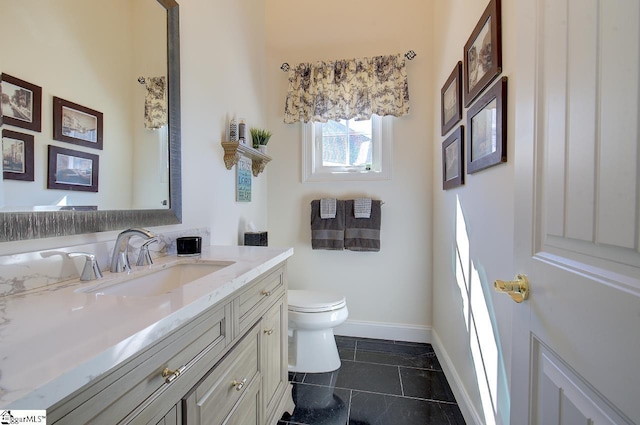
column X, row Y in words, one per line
column 90, row 215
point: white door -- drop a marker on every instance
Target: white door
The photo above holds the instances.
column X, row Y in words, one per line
column 576, row 356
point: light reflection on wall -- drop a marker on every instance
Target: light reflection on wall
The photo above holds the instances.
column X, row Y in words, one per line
column 484, row 344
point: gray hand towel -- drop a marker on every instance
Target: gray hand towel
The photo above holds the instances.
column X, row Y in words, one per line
column 362, row 234
column 327, row 233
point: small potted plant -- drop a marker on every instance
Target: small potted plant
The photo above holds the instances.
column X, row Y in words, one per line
column 260, row 138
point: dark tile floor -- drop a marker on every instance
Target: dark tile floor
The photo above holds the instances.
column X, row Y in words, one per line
column 379, row 383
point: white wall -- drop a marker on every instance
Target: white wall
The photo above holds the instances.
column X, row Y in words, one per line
column 223, row 73
column 394, row 285
column 222, row 65
column 472, row 321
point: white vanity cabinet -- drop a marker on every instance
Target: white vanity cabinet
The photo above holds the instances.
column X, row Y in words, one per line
column 226, row 366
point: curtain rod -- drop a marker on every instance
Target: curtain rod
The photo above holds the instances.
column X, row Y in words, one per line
column 409, row 55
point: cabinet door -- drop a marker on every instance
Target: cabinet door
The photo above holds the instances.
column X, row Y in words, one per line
column 274, row 356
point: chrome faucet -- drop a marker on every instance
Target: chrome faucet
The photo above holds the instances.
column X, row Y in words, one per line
column 144, row 258
column 120, row 258
column 91, row 270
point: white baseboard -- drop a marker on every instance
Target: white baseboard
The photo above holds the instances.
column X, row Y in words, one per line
column 390, row 331
column 470, row 414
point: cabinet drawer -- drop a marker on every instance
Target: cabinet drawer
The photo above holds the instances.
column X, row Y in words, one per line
column 125, row 389
column 254, row 301
column 247, row 411
column 211, row 401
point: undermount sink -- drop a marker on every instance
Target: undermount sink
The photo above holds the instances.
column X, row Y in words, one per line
column 157, row 282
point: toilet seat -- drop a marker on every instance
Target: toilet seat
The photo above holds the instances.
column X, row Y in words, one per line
column 306, row 301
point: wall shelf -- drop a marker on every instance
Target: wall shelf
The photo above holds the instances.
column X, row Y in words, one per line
column 233, row 151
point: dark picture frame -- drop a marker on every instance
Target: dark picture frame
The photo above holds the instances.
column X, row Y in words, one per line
column 17, row 156
column 487, row 129
column 72, row 170
column 483, row 52
column 451, row 100
column 73, row 123
column 453, row 159
column 20, row 103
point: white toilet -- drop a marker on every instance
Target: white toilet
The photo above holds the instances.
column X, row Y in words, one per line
column 312, row 317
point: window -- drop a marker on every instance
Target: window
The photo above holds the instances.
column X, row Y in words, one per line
column 347, row 150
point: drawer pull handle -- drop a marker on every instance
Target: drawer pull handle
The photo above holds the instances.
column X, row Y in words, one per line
column 268, row 331
column 169, row 375
column 266, row 293
column 239, row 385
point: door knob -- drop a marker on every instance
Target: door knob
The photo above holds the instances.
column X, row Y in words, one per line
column 517, row 289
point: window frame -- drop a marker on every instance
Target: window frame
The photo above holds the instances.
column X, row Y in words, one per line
column 382, row 144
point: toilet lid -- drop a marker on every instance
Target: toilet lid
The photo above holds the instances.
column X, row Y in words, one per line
column 306, row 301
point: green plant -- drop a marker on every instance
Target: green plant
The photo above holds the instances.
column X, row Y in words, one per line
column 260, row 136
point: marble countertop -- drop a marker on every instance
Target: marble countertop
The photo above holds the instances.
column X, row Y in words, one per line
column 55, row 340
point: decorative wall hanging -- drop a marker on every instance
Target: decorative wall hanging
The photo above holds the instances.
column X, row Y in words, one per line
column 73, row 123
column 453, row 159
column 451, row 100
column 17, row 156
column 483, row 52
column 20, row 103
column 243, row 180
column 72, row 170
column 487, row 129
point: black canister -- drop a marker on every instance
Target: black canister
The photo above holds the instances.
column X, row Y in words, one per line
column 189, row 245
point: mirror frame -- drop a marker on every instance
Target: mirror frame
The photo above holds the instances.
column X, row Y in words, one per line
column 16, row 226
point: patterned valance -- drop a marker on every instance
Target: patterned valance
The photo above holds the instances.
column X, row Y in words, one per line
column 347, row 89
column 155, row 103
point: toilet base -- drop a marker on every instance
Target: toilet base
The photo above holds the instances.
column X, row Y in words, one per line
column 313, row 351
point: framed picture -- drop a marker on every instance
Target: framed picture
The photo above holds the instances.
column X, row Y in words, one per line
column 20, row 103
column 451, row 100
column 487, row 129
column 72, row 170
column 17, row 156
column 453, row 159
column 483, row 53
column 73, row 123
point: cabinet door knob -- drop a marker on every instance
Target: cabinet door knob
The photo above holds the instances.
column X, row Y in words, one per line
column 169, row 375
column 266, row 293
column 268, row 331
column 238, row 384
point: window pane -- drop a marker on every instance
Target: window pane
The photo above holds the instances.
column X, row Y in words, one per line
column 346, row 143
column 334, row 150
